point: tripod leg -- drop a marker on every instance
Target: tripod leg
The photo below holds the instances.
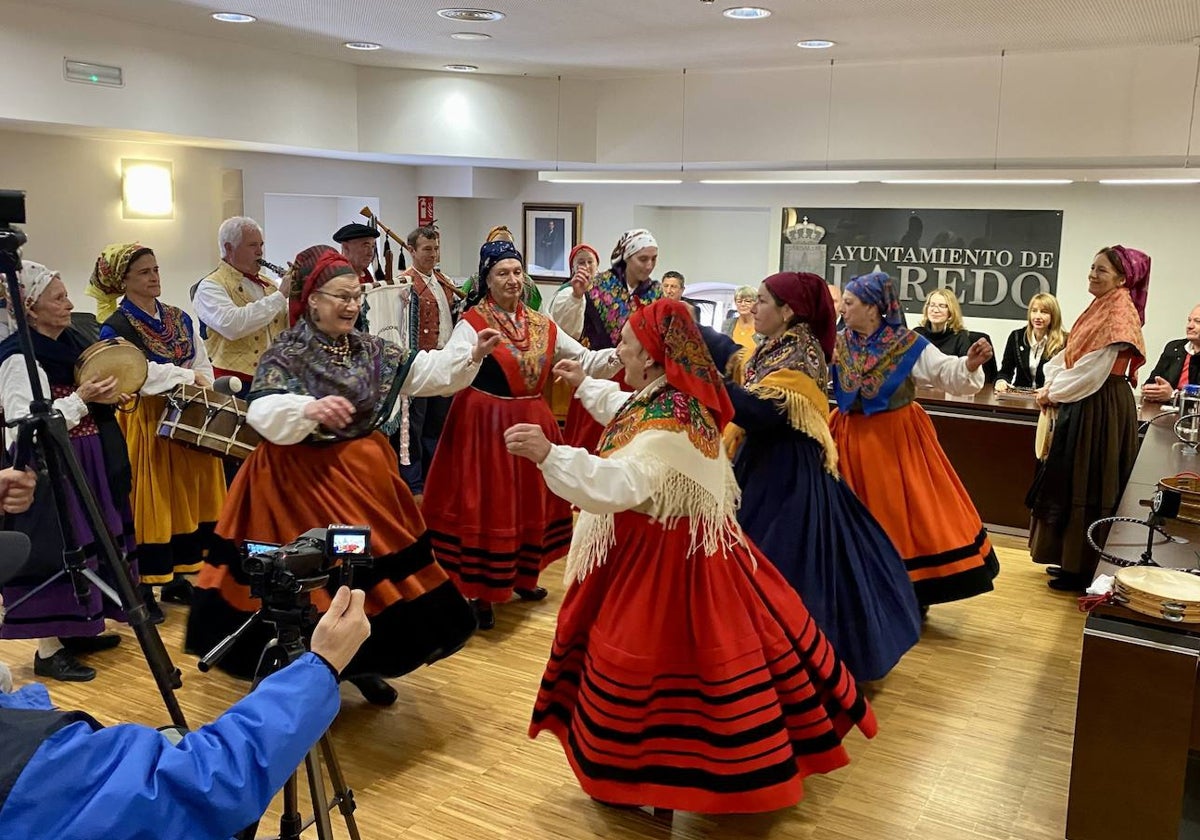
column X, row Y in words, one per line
column 316, row 790
column 343, row 795
column 290, row 824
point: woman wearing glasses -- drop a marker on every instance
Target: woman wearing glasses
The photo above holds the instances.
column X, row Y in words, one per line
column 318, row 394
column 942, row 325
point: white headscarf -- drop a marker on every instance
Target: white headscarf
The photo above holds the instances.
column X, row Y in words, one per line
column 631, row 242
column 35, row 278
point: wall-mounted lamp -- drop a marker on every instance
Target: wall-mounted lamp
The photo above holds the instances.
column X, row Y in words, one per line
column 147, row 189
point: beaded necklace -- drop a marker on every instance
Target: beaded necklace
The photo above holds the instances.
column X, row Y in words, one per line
column 339, row 349
column 514, row 327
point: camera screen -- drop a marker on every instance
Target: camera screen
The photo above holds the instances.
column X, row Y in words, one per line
column 258, row 547
column 350, row 542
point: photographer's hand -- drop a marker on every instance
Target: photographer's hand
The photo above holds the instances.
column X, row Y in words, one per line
column 16, row 489
column 332, row 412
column 342, row 630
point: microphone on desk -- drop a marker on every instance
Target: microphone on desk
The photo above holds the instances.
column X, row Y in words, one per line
column 230, row 386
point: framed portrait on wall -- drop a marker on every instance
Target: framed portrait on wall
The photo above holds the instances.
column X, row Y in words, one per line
column 551, row 231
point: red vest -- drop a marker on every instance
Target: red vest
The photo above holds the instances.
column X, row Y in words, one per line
column 427, row 306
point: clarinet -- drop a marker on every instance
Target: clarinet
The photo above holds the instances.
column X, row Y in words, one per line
column 273, row 268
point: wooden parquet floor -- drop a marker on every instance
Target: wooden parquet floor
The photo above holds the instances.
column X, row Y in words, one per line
column 974, row 735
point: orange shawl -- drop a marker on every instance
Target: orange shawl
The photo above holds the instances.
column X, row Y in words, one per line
column 1109, row 319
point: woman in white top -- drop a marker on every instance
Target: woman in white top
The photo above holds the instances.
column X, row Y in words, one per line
column 1030, row 347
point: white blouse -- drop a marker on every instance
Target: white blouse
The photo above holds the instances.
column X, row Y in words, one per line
column 1068, row 385
column 566, row 310
column 14, row 386
column 934, row 369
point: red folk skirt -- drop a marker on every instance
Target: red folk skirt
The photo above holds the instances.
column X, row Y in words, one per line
column 417, row 616
column 493, row 522
column 692, row 682
column 894, row 463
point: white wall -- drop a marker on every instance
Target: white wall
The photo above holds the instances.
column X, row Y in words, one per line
column 1158, row 220
column 73, row 190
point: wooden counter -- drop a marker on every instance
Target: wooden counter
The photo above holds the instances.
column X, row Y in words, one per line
column 1139, row 703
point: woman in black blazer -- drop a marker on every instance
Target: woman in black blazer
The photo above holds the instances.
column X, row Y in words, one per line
column 1030, row 347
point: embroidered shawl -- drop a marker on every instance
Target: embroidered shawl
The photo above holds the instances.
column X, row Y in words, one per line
column 609, row 303
column 168, row 338
column 1108, row 319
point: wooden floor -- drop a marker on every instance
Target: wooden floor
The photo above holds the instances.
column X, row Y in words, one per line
column 974, row 733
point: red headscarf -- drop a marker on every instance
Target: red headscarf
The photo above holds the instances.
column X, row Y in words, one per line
column 313, row 268
column 670, row 335
column 575, row 252
column 808, row 296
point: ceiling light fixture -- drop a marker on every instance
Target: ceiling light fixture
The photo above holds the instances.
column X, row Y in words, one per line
column 362, row 45
column 471, row 15
column 470, row 36
column 747, row 13
column 461, row 68
column 233, row 17
column 553, row 180
column 980, row 182
column 1148, row 182
column 813, row 182
column 816, row 44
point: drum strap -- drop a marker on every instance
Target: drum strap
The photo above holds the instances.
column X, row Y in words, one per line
column 121, row 326
column 389, row 403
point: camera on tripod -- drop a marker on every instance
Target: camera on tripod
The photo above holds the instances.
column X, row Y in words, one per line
column 281, row 574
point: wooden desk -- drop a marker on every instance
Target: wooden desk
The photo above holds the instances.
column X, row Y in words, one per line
column 1137, row 711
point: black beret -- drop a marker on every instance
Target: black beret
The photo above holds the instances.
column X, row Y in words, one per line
column 355, row 231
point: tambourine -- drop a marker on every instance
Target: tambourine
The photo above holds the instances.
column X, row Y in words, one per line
column 113, row 357
column 1163, row 593
column 1045, row 432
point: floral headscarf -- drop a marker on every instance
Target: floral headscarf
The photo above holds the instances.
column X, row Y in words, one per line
column 314, row 267
column 490, row 254
column 107, row 282
column 670, row 335
column 869, row 368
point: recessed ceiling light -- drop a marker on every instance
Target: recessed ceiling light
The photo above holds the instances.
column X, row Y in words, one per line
column 234, row 17
column 462, row 68
column 471, row 15
column 470, row 36
column 746, row 13
column 816, row 44
column 361, row 45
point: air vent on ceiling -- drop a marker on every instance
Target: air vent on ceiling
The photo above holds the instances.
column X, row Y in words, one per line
column 471, row 15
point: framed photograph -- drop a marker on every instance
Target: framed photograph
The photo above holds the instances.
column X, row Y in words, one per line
column 551, row 231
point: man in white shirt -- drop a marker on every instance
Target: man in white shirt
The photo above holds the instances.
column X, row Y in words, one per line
column 1178, row 365
column 433, row 294
column 241, row 308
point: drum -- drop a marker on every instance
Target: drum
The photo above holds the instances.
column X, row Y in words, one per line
column 1163, row 593
column 1045, row 433
column 113, row 357
column 202, row 419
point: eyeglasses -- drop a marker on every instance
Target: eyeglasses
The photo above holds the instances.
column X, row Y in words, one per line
column 937, row 306
column 344, row 300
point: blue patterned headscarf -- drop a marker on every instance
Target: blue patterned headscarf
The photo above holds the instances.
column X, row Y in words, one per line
column 490, row 254
column 868, row 369
column 876, row 289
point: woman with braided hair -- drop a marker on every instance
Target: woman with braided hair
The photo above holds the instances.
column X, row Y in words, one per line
column 318, row 395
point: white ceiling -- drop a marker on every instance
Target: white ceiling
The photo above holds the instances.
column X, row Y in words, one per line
column 606, row 38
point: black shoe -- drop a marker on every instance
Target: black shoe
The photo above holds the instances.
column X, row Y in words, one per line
column 64, row 667
column 376, row 691
column 90, row 644
column 1054, row 571
column 924, row 612
column 178, row 591
column 485, row 617
column 152, row 608
column 1068, row 583
column 535, row 594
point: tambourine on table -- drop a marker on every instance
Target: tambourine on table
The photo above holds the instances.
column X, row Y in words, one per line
column 208, row 421
column 113, row 357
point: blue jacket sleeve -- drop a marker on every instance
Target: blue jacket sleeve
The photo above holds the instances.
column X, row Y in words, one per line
column 129, row 782
column 754, row 414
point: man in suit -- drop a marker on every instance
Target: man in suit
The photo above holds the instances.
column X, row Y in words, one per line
column 1178, row 365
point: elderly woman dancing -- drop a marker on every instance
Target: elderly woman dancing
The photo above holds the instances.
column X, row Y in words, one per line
column 319, row 393
column 888, row 449
column 62, row 624
column 685, row 673
column 493, row 523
